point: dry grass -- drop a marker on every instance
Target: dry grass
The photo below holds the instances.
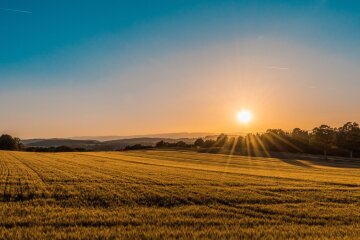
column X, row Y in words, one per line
column 168, row 194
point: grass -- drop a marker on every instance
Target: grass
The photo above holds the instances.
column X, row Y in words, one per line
column 169, row 194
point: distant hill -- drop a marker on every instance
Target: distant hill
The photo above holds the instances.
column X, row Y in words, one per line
column 30, row 141
column 160, row 135
column 108, row 143
column 117, row 142
column 97, row 145
column 59, row 142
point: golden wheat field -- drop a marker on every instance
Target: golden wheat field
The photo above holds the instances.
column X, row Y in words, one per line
column 173, row 194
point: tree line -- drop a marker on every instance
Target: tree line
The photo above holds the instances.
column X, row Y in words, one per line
column 326, row 140
column 54, row 149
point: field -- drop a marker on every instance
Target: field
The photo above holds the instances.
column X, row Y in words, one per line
column 168, row 194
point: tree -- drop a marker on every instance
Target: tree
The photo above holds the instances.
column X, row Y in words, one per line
column 348, row 137
column 199, row 142
column 297, row 133
column 161, row 144
column 180, row 144
column 324, row 135
column 301, row 139
column 239, row 144
column 19, row 145
column 209, row 143
column 221, row 140
column 230, row 144
column 274, row 140
column 7, row 142
column 278, row 132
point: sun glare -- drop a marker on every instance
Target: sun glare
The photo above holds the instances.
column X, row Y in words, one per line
column 244, row 116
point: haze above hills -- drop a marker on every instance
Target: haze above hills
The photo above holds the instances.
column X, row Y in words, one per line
column 159, row 135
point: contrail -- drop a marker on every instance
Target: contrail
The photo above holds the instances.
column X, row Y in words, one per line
column 15, row 10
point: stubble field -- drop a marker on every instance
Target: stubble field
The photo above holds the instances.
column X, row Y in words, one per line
column 173, row 194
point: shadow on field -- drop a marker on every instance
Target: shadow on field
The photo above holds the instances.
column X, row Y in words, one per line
column 295, row 162
column 299, row 159
column 308, row 161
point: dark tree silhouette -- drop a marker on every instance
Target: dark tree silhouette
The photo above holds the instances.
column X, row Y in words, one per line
column 199, row 142
column 7, row 142
column 301, row 138
column 181, row 144
column 221, row 140
column 161, row 144
column 300, row 134
column 324, row 135
column 209, row 143
column 348, row 137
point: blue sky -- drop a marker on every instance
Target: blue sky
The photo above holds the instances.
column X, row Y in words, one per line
column 35, row 42
column 64, row 45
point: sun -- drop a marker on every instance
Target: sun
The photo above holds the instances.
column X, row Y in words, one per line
column 244, row 116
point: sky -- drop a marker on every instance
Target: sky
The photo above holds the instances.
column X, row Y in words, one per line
column 96, row 68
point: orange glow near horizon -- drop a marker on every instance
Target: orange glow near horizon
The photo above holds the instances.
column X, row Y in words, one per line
column 153, row 98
